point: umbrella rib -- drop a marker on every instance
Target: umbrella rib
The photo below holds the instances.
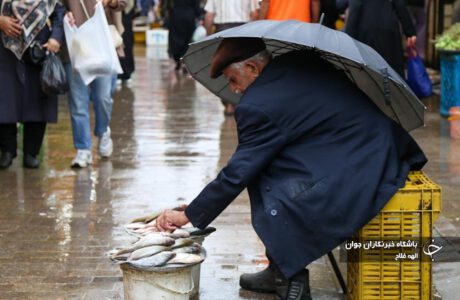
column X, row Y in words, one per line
column 346, row 70
column 286, row 46
column 339, row 59
column 344, row 64
column 410, row 103
column 201, row 69
column 224, row 87
column 391, row 106
column 201, row 49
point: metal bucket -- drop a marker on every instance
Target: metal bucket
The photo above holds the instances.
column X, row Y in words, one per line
column 196, row 270
column 167, row 284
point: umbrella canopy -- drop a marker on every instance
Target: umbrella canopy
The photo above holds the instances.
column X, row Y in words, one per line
column 363, row 65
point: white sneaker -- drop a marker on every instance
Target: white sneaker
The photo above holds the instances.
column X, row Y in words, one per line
column 105, row 146
column 82, row 159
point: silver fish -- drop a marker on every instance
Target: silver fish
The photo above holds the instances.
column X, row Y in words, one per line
column 148, row 218
column 179, row 233
column 147, row 251
column 186, row 258
column 144, row 231
column 156, row 260
column 182, row 243
column 149, row 240
column 136, row 225
column 119, row 257
column 195, row 248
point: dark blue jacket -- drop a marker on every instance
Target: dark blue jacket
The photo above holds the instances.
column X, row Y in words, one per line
column 319, row 160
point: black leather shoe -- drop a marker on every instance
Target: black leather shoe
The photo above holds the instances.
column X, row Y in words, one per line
column 30, row 162
column 6, row 159
column 260, row 282
column 297, row 288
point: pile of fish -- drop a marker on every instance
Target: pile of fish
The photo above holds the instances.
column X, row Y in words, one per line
column 155, row 249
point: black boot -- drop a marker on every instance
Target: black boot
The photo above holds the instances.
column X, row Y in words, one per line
column 260, row 282
column 30, row 161
column 297, row 288
column 6, row 159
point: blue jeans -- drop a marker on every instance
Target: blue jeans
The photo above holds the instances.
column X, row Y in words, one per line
column 99, row 90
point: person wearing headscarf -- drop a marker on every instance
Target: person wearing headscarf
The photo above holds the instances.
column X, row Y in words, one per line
column 127, row 61
column 26, row 27
column 181, row 18
column 377, row 23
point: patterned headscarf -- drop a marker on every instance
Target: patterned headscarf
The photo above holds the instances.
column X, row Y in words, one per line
column 32, row 16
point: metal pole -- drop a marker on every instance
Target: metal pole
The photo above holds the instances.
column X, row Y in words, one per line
column 337, row 272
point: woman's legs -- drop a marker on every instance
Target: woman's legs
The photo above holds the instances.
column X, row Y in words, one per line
column 8, row 138
column 33, row 137
column 33, row 140
column 8, row 144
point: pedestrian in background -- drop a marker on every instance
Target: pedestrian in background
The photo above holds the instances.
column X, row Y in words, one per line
column 377, row 24
column 182, row 16
column 418, row 11
column 145, row 7
column 221, row 15
column 22, row 100
column 98, row 91
column 127, row 62
column 330, row 11
column 302, row 10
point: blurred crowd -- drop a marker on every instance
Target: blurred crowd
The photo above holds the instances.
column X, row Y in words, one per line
column 378, row 23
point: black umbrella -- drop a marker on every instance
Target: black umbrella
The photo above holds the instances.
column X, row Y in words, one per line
column 363, row 65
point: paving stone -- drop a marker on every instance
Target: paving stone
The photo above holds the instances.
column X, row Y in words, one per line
column 170, row 138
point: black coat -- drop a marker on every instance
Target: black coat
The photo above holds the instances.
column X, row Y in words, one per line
column 377, row 24
column 182, row 24
column 21, row 97
column 318, row 157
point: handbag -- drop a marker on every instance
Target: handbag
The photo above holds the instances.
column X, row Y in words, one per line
column 53, row 78
column 417, row 77
column 35, row 54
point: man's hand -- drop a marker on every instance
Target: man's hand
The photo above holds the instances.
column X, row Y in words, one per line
column 52, row 45
column 10, row 26
column 411, row 41
column 110, row 3
column 171, row 219
column 71, row 18
column 209, row 22
column 263, row 11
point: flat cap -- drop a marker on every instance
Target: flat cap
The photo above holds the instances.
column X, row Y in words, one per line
column 232, row 50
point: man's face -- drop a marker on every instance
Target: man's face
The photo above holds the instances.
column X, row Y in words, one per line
column 240, row 77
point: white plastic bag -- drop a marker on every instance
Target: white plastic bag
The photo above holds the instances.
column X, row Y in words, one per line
column 199, row 33
column 91, row 49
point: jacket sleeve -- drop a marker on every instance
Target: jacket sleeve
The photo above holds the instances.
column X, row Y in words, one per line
column 260, row 140
column 57, row 17
column 404, row 17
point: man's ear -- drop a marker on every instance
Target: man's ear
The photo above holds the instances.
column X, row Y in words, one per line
column 252, row 69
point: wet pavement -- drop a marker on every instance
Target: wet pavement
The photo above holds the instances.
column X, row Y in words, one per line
column 170, row 138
